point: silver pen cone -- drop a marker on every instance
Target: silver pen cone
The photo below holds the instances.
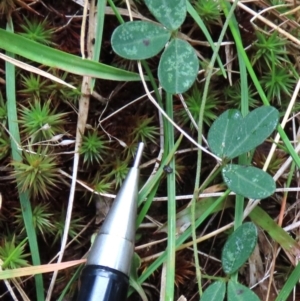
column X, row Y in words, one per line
column 114, row 244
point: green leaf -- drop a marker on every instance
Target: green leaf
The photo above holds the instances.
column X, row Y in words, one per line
column 248, row 181
column 256, row 127
column 239, row 247
column 170, row 13
column 215, row 292
column 178, row 67
column 239, row 292
column 222, row 130
column 231, row 136
column 139, row 40
column 58, row 59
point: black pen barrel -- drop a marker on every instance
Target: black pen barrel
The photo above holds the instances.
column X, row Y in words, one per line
column 99, row 283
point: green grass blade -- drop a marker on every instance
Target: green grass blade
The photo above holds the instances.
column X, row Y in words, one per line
column 289, row 285
column 99, row 29
column 74, row 277
column 171, row 188
column 202, row 26
column 58, row 59
column 288, row 145
column 98, row 34
column 146, row 205
column 263, row 220
column 116, row 12
column 16, row 155
column 148, row 188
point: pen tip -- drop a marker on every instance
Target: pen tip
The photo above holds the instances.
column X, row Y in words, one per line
column 138, row 155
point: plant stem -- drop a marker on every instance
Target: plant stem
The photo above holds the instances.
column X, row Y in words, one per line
column 116, row 12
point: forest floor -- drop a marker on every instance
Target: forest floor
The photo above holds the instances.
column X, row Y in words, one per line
column 69, row 150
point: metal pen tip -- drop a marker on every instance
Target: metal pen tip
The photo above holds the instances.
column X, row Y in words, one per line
column 114, row 244
column 138, row 155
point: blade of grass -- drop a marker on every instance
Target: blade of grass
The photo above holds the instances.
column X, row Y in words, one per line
column 147, row 205
column 289, row 284
column 279, row 222
column 288, row 145
column 147, row 189
column 58, row 59
column 263, row 220
column 171, row 190
column 10, row 76
column 74, row 277
column 30, row 68
column 202, row 26
column 33, row 270
column 116, row 12
column 98, row 34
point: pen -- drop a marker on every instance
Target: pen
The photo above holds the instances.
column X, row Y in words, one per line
column 105, row 276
